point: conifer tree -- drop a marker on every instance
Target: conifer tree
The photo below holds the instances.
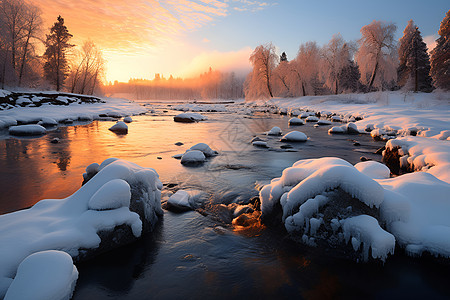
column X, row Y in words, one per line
column 283, row 57
column 56, row 66
column 414, row 68
column 440, row 56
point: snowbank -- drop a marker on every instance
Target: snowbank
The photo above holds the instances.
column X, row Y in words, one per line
column 328, row 199
column 74, row 111
column 428, row 113
column 79, row 223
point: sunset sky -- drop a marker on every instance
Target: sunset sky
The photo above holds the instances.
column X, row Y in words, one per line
column 142, row 37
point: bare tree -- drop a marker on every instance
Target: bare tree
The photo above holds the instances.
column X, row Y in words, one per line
column 264, row 61
column 377, row 55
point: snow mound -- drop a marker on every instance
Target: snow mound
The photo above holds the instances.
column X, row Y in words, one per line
column 45, row 275
column 296, row 122
column 294, row 136
column 416, row 210
column 189, row 118
column 70, row 226
column 274, row 131
column 119, row 127
column 373, row 169
column 365, row 230
column 25, row 130
column 113, row 194
column 193, row 157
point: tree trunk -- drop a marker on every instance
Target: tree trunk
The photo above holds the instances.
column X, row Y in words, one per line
column 372, row 79
column 24, row 57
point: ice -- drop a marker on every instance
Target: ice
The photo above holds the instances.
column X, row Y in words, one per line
column 27, row 130
column 296, row 122
column 274, row 131
column 45, row 275
column 294, row 136
column 119, row 127
column 70, row 226
column 373, row 169
column 366, row 230
column 193, row 157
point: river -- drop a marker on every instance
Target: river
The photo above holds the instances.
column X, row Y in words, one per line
column 189, row 255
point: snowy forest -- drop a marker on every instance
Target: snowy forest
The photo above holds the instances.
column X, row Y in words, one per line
column 374, row 62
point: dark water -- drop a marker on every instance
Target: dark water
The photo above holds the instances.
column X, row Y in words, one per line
column 191, row 256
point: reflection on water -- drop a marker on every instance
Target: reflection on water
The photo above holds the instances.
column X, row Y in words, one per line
column 193, row 256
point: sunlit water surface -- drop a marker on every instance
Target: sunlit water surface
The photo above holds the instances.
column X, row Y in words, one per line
column 192, row 256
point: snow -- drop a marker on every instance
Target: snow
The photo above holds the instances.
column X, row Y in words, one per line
column 261, row 144
column 128, row 119
column 428, row 112
column 425, row 154
column 323, row 122
column 69, row 225
column 312, row 119
column 193, row 107
column 296, row 121
column 192, row 157
column 180, row 200
column 113, row 194
column 207, row 151
column 45, row 275
column 74, row 111
column 366, row 230
column 274, row 131
column 119, row 127
column 294, row 136
column 46, row 121
column 27, row 130
column 336, row 129
column 189, row 117
column 373, row 169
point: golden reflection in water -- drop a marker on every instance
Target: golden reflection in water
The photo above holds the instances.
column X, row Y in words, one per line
column 249, row 224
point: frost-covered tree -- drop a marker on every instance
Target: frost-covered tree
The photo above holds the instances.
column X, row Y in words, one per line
column 259, row 82
column 20, row 24
column 414, row 68
column 56, row 65
column 335, row 56
column 377, row 55
column 282, row 79
column 440, row 56
column 306, row 69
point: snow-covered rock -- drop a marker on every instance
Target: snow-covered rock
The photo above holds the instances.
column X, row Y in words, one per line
column 27, row 130
column 46, row 121
column 312, row 119
column 193, row 157
column 70, row 226
column 336, row 129
column 180, row 201
column 113, row 194
column 274, row 131
column 45, row 275
column 128, row 119
column 296, row 122
column 189, row 117
column 294, row 136
column 207, row 151
column 352, row 128
column 120, row 127
column 323, row 122
column 261, row 144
